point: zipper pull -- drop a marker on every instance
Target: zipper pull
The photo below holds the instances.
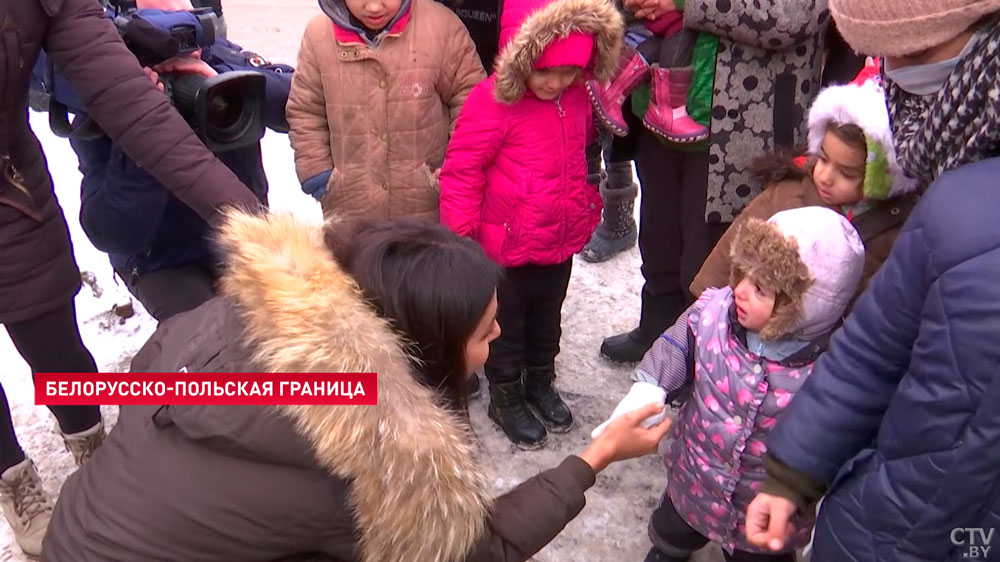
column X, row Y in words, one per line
column 559, row 106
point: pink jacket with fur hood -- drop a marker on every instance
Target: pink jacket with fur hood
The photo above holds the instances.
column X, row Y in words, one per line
column 514, row 177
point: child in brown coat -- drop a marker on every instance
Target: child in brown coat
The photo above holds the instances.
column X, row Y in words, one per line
column 851, row 168
column 378, row 87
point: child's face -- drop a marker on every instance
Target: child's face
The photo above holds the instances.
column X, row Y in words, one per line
column 839, row 172
column 548, row 83
column 477, row 349
column 374, row 14
column 754, row 304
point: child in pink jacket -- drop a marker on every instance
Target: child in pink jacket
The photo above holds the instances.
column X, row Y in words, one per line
column 515, row 179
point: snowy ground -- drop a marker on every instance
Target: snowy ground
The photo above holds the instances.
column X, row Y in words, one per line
column 603, row 299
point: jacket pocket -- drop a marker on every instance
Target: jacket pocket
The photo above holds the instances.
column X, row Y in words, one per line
column 13, row 191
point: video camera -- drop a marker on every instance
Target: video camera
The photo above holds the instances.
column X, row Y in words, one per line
column 226, row 111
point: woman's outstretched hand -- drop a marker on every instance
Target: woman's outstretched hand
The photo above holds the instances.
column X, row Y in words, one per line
column 625, row 438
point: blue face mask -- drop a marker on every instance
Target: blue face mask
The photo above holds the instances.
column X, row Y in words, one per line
column 928, row 79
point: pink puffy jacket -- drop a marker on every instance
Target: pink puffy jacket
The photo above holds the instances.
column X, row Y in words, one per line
column 514, row 177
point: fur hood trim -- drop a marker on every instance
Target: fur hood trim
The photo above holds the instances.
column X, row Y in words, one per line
column 416, row 492
column 556, row 20
column 761, row 252
column 812, row 257
column 863, row 105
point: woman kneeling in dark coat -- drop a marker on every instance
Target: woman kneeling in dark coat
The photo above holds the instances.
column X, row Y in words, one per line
column 389, row 483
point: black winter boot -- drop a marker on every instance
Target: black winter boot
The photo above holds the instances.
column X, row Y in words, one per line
column 629, row 347
column 510, row 411
column 541, row 394
column 658, row 313
column 617, row 231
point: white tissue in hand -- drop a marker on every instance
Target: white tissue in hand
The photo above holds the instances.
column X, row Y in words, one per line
column 639, row 395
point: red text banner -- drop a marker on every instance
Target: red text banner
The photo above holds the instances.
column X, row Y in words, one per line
column 210, row 389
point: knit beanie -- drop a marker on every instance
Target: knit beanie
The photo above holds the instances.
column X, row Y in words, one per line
column 812, row 257
column 904, row 27
column 573, row 50
column 862, row 103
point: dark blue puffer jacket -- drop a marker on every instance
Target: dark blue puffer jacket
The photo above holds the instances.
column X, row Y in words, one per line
column 905, row 407
column 130, row 215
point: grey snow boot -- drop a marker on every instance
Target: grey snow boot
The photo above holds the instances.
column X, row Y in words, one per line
column 617, row 231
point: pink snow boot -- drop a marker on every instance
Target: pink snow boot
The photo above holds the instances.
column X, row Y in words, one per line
column 667, row 114
column 607, row 98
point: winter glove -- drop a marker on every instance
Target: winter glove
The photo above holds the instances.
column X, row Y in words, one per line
column 639, row 395
column 316, row 185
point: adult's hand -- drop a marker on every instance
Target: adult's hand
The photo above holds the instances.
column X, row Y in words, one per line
column 165, row 5
column 652, row 9
column 187, row 65
column 768, row 521
column 154, row 77
column 626, row 438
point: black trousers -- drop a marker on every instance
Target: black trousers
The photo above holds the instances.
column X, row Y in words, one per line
column 674, row 238
column 529, row 311
column 675, row 541
column 50, row 343
column 168, row 292
column 670, row 52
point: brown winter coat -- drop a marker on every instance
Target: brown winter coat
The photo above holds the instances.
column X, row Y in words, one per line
column 37, row 270
column 381, row 116
column 878, row 228
column 389, row 483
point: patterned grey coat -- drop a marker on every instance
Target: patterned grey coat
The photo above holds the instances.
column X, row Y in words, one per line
column 766, row 75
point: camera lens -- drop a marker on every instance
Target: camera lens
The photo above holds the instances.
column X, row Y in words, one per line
column 224, row 111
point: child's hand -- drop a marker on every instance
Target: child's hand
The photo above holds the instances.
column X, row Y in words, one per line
column 652, row 9
column 626, row 438
column 768, row 523
column 640, row 394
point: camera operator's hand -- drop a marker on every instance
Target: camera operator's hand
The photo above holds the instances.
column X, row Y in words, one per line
column 154, row 77
column 187, row 65
column 165, row 5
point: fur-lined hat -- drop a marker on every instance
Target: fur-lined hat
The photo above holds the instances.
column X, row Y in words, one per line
column 529, row 27
column 811, row 257
column 862, row 103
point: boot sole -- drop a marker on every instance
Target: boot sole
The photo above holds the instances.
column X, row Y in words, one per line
column 676, row 140
column 620, row 362
column 592, row 256
column 524, row 446
column 613, row 128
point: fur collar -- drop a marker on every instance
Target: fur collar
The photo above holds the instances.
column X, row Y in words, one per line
column 557, row 20
column 761, row 252
column 416, row 493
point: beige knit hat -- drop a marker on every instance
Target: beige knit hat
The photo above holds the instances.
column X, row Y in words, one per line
column 903, row 27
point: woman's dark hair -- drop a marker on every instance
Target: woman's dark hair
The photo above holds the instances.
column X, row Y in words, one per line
column 431, row 284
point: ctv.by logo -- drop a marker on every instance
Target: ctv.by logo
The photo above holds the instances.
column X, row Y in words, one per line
column 975, row 541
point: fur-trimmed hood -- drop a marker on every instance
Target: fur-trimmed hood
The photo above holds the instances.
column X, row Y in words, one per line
column 812, row 257
column 529, row 26
column 863, row 104
column 416, row 493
